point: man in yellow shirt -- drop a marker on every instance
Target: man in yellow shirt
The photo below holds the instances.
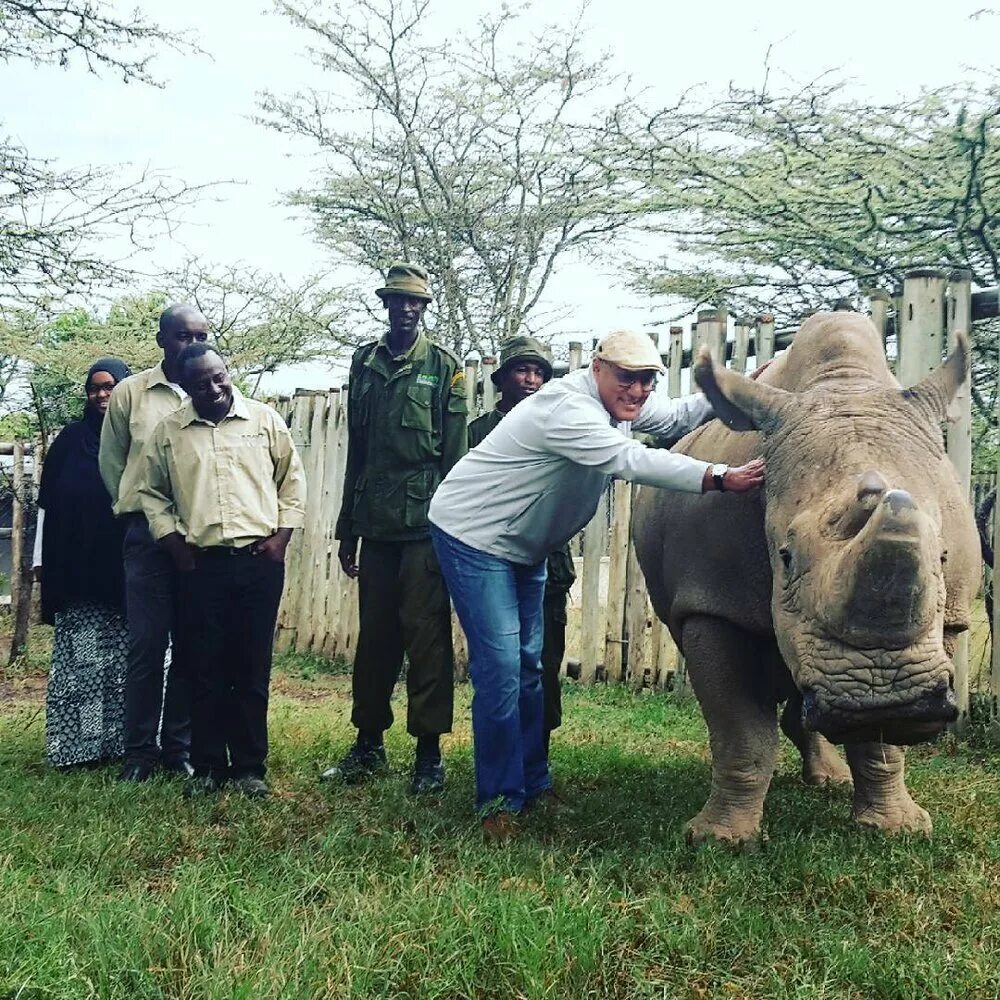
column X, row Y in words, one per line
column 136, row 407
column 222, row 489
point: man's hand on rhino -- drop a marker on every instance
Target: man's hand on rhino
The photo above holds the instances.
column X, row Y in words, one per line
column 737, row 478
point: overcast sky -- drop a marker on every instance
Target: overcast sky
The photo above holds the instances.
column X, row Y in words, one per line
column 198, row 126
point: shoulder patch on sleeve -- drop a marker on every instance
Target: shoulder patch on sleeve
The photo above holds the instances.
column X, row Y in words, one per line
column 458, row 379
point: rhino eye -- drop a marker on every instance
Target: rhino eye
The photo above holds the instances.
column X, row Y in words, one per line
column 786, row 556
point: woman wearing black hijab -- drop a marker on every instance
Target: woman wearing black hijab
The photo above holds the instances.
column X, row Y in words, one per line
column 82, row 583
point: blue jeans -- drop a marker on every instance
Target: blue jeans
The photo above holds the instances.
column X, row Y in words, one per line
column 499, row 604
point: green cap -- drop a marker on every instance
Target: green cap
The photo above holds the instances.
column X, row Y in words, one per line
column 405, row 279
column 521, row 349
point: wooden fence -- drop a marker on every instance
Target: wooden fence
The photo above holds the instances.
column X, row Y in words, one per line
column 613, row 633
column 615, row 637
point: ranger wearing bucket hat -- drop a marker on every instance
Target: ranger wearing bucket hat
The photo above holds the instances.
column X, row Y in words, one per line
column 524, row 368
column 406, row 414
column 493, row 528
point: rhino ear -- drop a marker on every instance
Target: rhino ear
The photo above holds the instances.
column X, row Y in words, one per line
column 932, row 396
column 739, row 402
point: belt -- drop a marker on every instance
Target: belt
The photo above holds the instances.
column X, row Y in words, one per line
column 226, row 551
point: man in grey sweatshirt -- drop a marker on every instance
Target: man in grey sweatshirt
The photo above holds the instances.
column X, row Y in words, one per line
column 525, row 490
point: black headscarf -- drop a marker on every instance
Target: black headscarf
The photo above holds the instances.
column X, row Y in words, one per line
column 81, row 538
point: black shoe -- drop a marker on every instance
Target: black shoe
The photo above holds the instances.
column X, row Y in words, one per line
column 361, row 762
column 251, row 786
column 428, row 776
column 201, row 785
column 136, row 771
column 179, row 767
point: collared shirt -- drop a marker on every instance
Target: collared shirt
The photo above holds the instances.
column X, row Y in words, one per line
column 229, row 483
column 138, row 403
column 537, row 478
column 406, row 421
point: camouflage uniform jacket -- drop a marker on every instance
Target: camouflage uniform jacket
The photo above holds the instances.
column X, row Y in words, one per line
column 406, row 427
column 561, row 572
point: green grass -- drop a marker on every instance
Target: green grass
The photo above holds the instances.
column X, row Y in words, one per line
column 132, row 892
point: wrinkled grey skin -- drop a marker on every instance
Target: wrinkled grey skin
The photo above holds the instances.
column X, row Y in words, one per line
column 839, row 591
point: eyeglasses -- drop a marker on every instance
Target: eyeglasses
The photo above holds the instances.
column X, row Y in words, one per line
column 646, row 380
column 96, row 390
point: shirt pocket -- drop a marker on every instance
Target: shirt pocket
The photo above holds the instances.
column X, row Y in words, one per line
column 418, row 409
column 419, row 490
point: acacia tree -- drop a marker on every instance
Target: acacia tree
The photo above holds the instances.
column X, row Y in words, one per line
column 52, row 219
column 463, row 154
column 785, row 202
column 260, row 321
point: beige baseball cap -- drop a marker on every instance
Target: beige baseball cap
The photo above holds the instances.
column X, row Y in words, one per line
column 631, row 350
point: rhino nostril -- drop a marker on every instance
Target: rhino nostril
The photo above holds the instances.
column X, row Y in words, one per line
column 899, row 500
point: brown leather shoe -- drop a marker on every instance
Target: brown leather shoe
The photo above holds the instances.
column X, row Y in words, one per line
column 500, row 827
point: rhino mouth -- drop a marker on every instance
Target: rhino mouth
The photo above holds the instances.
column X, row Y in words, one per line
column 918, row 720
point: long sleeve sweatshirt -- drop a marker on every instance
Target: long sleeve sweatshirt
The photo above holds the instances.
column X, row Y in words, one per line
column 536, row 479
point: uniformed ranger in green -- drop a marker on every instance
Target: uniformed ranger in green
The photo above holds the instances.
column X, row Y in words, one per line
column 406, row 414
column 524, row 369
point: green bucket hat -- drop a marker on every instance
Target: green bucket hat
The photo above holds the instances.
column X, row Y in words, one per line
column 405, row 279
column 521, row 349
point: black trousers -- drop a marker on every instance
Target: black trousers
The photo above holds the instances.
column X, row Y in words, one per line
column 228, row 607
column 404, row 607
column 150, row 606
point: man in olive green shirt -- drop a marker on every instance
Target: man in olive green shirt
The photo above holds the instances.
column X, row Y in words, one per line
column 136, row 407
column 524, row 369
column 222, row 489
column 406, row 429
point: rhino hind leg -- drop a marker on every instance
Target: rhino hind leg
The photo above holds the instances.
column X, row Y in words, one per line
column 740, row 709
column 821, row 764
column 881, row 798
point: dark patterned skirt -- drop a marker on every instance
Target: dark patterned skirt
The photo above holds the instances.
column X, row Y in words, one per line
column 85, row 702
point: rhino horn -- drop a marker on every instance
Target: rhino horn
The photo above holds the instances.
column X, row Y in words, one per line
column 935, row 392
column 739, row 402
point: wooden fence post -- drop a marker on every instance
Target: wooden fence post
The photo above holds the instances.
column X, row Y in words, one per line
column 741, row 344
column 471, row 389
column 920, row 344
column 995, row 658
column 489, row 366
column 676, row 361
column 959, row 431
column 618, row 550
column 710, row 332
column 22, row 521
column 595, row 537
column 765, row 338
column 878, row 306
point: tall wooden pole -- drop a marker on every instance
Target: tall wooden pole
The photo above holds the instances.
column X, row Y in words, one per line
column 959, row 319
column 921, row 326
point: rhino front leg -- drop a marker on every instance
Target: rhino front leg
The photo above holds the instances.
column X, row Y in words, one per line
column 740, row 709
column 881, row 798
column 821, row 764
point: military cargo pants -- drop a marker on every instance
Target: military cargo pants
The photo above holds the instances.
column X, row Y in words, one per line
column 403, row 609
column 553, row 650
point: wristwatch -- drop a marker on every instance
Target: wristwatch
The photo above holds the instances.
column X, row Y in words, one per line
column 718, row 473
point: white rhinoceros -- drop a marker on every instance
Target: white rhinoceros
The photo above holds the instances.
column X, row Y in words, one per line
column 839, row 591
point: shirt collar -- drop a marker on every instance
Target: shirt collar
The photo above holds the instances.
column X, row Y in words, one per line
column 157, row 377
column 417, row 351
column 239, row 410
